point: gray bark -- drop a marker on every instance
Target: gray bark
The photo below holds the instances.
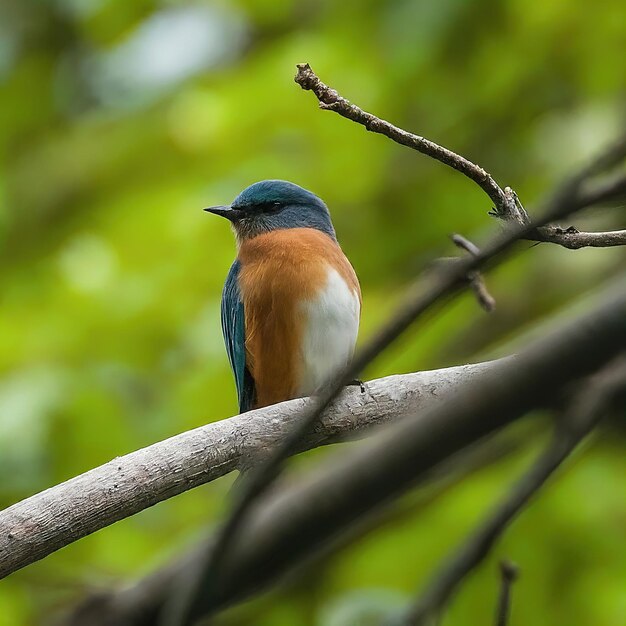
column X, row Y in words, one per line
column 52, row 519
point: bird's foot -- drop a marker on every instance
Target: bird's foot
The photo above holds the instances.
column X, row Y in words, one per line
column 357, row 383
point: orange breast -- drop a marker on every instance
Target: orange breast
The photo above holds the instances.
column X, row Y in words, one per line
column 279, row 270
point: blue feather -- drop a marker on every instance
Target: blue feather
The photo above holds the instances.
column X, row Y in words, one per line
column 233, row 328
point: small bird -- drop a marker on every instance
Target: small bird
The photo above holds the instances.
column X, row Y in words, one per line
column 291, row 302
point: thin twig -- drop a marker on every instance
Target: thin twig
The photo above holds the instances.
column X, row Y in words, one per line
column 583, row 413
column 607, row 191
column 508, row 575
column 571, row 193
column 465, row 244
column 504, row 200
column 485, row 299
column 570, row 196
column 607, row 159
column 191, row 597
column 574, row 239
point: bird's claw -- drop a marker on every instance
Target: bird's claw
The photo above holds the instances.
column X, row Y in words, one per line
column 358, row 383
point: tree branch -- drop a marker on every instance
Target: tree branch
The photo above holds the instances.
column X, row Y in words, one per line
column 190, row 595
column 586, row 408
column 504, row 200
column 52, row 519
column 508, row 575
column 291, row 525
column 574, row 239
column 570, row 196
column 154, row 478
column 484, row 298
column 572, row 187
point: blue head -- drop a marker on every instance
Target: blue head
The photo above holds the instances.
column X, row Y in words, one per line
column 272, row 205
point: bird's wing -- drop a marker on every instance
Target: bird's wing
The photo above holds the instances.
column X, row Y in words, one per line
column 233, row 328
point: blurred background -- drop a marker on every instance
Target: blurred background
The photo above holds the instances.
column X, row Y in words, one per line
column 120, row 120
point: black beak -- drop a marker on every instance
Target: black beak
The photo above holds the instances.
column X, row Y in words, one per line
column 225, row 211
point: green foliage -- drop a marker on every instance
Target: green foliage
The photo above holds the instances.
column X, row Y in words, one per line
column 121, row 120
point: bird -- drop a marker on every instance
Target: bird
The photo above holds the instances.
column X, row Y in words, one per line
column 291, row 303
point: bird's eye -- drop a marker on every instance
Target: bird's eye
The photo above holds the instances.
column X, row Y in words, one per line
column 271, row 207
column 267, row 207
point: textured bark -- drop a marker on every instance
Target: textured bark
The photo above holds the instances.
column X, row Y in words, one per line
column 301, row 520
column 52, row 519
column 574, row 239
column 291, row 525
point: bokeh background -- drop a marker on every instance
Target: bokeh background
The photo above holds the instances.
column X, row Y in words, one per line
column 120, row 120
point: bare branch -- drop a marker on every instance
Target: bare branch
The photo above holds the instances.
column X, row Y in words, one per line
column 149, row 483
column 571, row 188
column 574, row 239
column 485, row 299
column 191, row 593
column 585, row 410
column 45, row 522
column 508, row 575
column 607, row 191
column 291, row 525
column 570, row 197
column 504, row 200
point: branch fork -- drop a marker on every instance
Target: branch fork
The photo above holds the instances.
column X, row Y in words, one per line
column 507, row 205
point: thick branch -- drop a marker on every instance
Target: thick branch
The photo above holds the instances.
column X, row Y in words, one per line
column 292, row 525
column 453, row 280
column 43, row 523
column 508, row 207
column 586, row 408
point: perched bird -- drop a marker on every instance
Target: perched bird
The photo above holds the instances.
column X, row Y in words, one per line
column 291, row 302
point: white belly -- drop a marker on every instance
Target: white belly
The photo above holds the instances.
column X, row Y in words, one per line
column 331, row 328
